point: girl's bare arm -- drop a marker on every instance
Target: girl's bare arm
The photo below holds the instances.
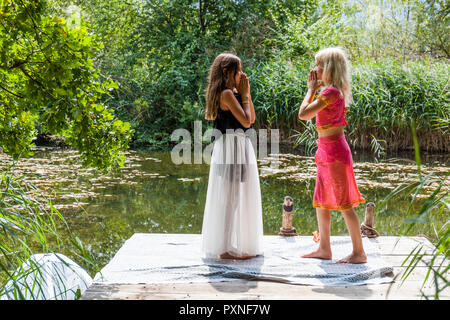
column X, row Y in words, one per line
column 244, row 90
column 310, row 107
column 243, row 115
column 252, row 109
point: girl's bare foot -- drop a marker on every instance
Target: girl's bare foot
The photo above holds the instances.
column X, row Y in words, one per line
column 227, row 255
column 354, row 258
column 319, row 254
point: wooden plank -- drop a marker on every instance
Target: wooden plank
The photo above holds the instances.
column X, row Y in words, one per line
column 243, row 289
column 417, row 275
column 394, row 250
column 238, row 290
column 402, row 245
column 404, row 260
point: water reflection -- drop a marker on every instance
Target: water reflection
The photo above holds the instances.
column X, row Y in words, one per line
column 153, row 195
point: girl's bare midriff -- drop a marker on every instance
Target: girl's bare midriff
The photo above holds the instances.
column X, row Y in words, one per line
column 330, row 131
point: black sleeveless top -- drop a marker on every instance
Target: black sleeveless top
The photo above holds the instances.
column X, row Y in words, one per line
column 226, row 120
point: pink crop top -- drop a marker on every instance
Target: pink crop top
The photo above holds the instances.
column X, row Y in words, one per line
column 333, row 115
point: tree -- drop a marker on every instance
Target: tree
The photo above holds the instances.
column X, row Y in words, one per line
column 432, row 27
column 163, row 64
column 47, row 80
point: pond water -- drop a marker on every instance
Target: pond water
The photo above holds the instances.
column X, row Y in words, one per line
column 153, row 195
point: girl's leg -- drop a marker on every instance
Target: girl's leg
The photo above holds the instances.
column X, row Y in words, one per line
column 230, row 207
column 324, row 222
column 358, row 255
column 233, row 176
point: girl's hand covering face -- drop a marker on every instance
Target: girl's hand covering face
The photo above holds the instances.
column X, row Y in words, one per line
column 312, row 82
column 244, row 86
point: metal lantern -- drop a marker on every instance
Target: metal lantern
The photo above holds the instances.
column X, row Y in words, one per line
column 288, row 211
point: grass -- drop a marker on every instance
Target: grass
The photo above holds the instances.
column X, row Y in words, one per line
column 386, row 97
column 28, row 227
column 436, row 203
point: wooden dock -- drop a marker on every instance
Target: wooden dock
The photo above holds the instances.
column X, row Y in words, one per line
column 394, row 251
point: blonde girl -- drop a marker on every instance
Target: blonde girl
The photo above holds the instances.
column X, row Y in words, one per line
column 335, row 187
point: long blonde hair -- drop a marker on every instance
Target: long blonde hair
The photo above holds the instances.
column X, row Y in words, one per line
column 336, row 70
column 217, row 81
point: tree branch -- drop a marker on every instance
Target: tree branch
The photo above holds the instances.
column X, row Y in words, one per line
column 441, row 45
column 38, row 83
column 201, row 17
column 10, row 92
column 18, row 64
column 35, row 27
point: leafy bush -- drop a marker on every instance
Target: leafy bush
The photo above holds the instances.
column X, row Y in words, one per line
column 48, row 80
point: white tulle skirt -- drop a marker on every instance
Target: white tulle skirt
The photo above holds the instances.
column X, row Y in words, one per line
column 232, row 220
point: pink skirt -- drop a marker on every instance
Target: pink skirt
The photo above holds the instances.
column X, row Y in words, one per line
column 336, row 187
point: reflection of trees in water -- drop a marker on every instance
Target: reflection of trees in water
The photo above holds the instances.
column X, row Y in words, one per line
column 152, row 195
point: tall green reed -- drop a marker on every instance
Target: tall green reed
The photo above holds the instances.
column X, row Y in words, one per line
column 386, row 94
column 307, row 138
column 28, row 226
column 277, row 88
column 437, row 203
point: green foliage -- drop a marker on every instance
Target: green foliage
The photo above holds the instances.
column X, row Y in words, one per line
column 308, row 33
column 388, row 94
column 433, row 19
column 161, row 55
column 164, row 67
column 434, row 204
column 371, row 29
column 277, row 88
column 47, row 78
column 28, row 227
column 307, row 138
